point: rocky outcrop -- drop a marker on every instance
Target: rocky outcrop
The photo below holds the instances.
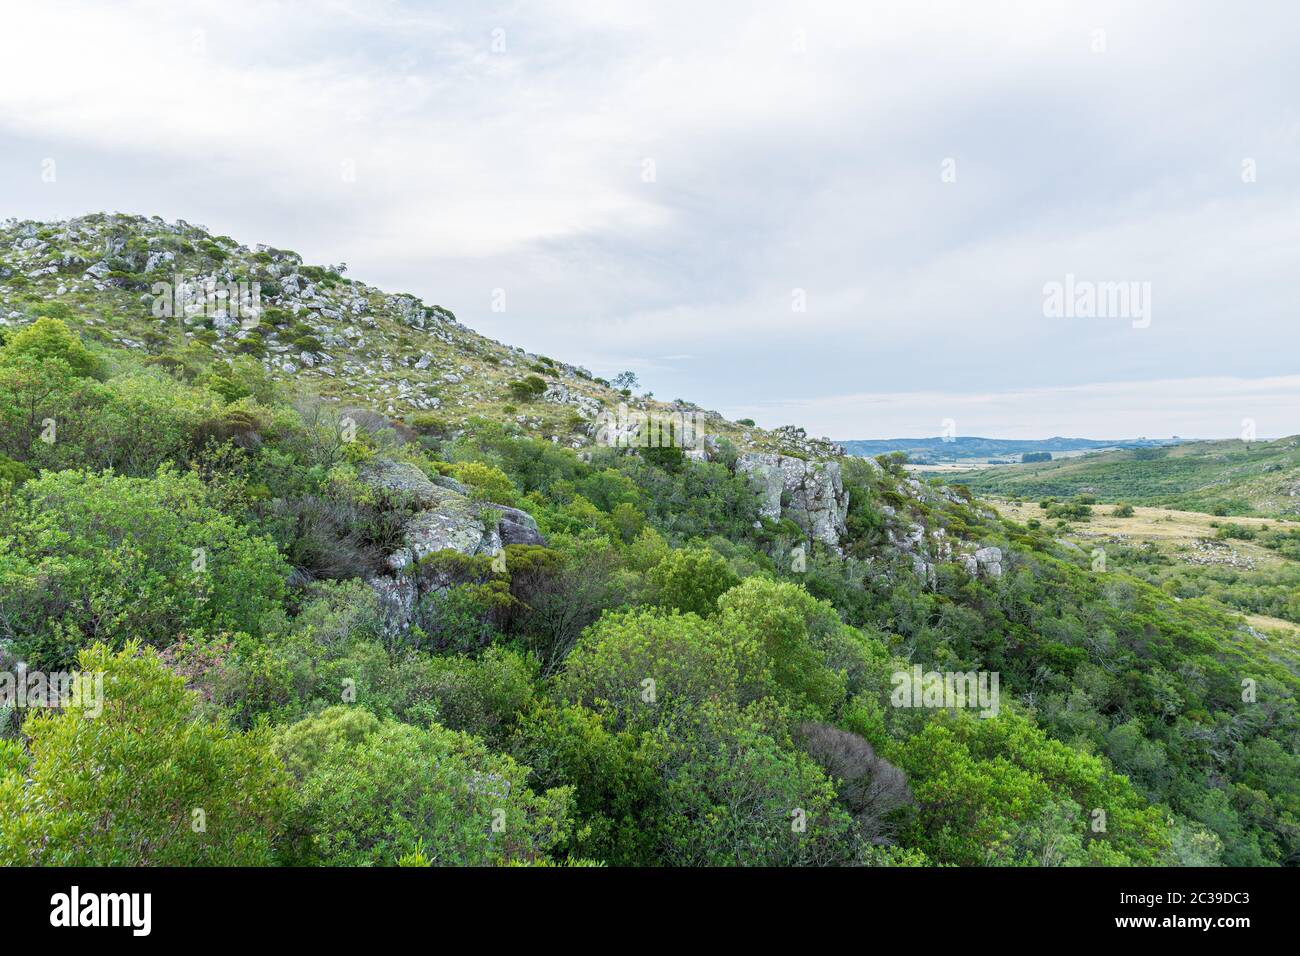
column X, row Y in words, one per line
column 810, row 493
column 985, row 561
column 445, row 518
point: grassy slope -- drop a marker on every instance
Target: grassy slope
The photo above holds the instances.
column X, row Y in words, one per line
column 370, row 340
column 1199, row 476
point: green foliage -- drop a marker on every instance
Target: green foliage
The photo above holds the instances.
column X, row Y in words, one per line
column 141, row 783
column 528, row 389
column 637, row 666
column 373, row 793
column 793, row 628
column 691, row 580
column 999, row 792
column 96, row 557
column 14, row 472
column 486, row 482
column 50, row 340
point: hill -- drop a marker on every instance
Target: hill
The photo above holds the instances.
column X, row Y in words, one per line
column 179, row 294
column 1219, row 477
column 370, row 589
column 968, row 447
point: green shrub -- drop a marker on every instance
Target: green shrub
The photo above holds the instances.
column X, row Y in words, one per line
column 50, row 340
column 692, row 580
column 99, row 557
column 372, row 793
column 528, row 389
column 142, row 783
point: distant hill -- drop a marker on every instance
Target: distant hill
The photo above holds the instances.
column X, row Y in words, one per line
column 1226, row 477
column 971, row 447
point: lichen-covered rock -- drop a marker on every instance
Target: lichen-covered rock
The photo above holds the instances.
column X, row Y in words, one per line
column 518, row 527
column 810, row 493
column 985, row 561
column 403, row 480
column 445, row 518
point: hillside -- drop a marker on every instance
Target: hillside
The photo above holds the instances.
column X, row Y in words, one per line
column 111, row 276
column 333, row 570
column 1219, row 477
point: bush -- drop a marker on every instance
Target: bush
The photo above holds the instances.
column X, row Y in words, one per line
column 50, row 340
column 692, row 580
column 141, row 784
column 374, row 792
column 14, row 472
column 98, row 557
column 486, row 482
column 641, row 666
column 528, row 389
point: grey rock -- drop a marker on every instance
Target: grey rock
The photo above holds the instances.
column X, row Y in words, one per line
column 445, row 518
column 817, row 501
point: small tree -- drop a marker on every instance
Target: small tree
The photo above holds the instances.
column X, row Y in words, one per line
column 134, row 779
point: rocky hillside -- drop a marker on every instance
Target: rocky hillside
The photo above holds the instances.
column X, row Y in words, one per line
column 337, row 514
column 170, row 290
column 147, row 284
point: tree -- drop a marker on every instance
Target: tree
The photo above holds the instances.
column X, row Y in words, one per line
column 142, row 783
column 372, row 792
column 625, row 381
column 48, row 339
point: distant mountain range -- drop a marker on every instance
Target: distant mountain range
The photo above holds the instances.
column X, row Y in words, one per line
column 967, row 447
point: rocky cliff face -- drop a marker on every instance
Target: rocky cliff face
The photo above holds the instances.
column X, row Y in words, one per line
column 445, row 518
column 810, row 493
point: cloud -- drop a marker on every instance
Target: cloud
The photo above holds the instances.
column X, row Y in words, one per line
column 1189, row 408
column 653, row 180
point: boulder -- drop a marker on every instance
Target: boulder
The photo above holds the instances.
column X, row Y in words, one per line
column 445, row 518
column 518, row 527
column 985, row 561
column 810, row 493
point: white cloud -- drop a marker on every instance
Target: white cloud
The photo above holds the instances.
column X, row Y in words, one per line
column 1190, row 408
column 794, row 146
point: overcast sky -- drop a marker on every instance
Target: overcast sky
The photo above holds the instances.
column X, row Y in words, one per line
column 839, row 215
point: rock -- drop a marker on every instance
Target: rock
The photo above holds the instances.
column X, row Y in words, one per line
column 518, row 527
column 443, row 481
column 445, row 518
column 814, row 490
column 454, row 525
column 989, row 561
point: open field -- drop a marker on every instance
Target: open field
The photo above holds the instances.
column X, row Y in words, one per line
column 1181, row 550
column 1164, row 526
column 1227, row 477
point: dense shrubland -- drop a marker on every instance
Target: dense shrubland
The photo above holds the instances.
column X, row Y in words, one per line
column 655, row 685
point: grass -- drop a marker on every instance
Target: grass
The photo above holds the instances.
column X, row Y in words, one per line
column 1232, row 477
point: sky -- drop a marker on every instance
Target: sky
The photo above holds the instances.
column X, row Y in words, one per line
column 1033, row 219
